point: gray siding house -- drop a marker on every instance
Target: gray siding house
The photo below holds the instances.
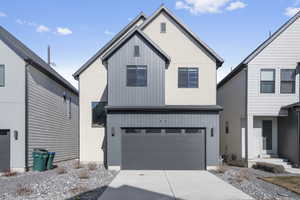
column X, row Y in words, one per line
column 39, row 108
column 258, row 120
column 154, row 106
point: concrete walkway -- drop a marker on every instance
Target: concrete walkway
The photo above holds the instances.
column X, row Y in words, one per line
column 170, row 185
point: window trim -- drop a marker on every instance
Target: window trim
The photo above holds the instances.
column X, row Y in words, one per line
column 146, row 81
column 92, row 124
column 3, row 65
column 163, row 27
column 188, row 68
column 281, row 81
column 274, row 81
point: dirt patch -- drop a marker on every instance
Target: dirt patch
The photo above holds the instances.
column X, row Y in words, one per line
column 291, row 183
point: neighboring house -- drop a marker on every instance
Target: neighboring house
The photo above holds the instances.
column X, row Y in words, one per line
column 255, row 122
column 39, row 108
column 148, row 98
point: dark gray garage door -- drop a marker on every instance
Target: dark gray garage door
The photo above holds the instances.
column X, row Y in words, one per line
column 164, row 149
column 4, row 150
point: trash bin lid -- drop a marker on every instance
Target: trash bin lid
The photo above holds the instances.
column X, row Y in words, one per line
column 51, row 153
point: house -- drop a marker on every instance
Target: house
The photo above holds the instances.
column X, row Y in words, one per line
column 39, row 108
column 148, row 98
column 255, row 123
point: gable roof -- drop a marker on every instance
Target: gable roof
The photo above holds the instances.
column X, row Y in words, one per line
column 258, row 50
column 30, row 57
column 136, row 30
column 162, row 8
column 109, row 44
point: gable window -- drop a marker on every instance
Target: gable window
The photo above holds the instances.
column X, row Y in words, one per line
column 287, row 82
column 136, row 76
column 163, row 27
column 267, row 81
column 136, row 50
column 98, row 114
column 2, row 75
column 187, row 77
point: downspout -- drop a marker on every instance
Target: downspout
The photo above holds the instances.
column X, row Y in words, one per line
column 246, row 115
column 298, row 114
column 26, row 115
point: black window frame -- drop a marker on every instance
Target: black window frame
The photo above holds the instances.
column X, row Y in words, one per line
column 262, row 82
column 188, row 84
column 163, row 27
column 3, row 82
column 288, row 81
column 94, row 123
column 136, row 83
column 136, row 51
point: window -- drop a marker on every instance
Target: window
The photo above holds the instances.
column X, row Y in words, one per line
column 226, row 127
column 173, row 130
column 192, row 130
column 267, row 81
column 187, row 77
column 136, row 52
column 136, row 76
column 163, row 27
column 287, row 83
column 98, row 114
column 133, row 131
column 153, row 130
column 2, row 75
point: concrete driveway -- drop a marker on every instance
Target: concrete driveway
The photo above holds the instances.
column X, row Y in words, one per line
column 170, row 185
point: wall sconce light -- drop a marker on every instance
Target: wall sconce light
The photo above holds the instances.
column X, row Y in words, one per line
column 16, row 135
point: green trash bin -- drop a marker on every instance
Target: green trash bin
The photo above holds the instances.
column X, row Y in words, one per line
column 50, row 160
column 40, row 157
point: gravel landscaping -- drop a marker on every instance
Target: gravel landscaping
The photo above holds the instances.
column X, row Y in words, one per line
column 248, row 180
column 68, row 181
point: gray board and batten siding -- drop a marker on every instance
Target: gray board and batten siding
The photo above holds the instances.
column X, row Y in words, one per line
column 121, row 95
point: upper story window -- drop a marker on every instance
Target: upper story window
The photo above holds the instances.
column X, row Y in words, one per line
column 136, row 76
column 136, row 51
column 98, row 114
column 267, row 81
column 287, row 82
column 2, row 75
column 187, row 77
column 163, row 27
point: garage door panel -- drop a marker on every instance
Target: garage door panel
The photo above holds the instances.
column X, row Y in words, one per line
column 172, row 152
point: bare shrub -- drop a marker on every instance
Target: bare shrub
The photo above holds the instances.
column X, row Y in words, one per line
column 221, row 169
column 79, row 189
column 77, row 165
column 61, row 170
column 242, row 175
column 83, row 174
column 92, row 166
column 10, row 173
column 23, row 190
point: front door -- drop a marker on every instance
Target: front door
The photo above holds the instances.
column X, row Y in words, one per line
column 267, row 136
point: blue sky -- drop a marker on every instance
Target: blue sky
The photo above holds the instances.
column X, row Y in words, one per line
column 76, row 29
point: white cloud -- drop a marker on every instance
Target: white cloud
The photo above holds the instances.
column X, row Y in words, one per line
column 291, row 11
column 2, row 14
column 236, row 5
column 202, row 6
column 107, row 32
column 24, row 22
column 63, row 31
column 197, row 7
column 42, row 28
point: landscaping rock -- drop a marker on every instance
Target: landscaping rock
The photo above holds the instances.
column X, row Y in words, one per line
column 51, row 185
